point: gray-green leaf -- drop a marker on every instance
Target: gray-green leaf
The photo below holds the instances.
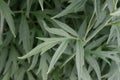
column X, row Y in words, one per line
column 7, row 13
column 57, row 54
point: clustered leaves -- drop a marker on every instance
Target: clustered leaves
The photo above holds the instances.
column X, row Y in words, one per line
column 59, row 39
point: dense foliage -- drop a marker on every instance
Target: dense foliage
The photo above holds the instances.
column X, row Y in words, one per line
column 59, row 40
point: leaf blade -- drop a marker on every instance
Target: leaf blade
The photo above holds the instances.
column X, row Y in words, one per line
column 79, row 59
column 7, row 13
column 66, row 27
column 57, row 54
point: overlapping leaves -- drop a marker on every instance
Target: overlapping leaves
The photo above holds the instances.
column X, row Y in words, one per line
column 81, row 44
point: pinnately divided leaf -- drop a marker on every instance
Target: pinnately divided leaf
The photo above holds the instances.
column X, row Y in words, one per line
column 41, row 47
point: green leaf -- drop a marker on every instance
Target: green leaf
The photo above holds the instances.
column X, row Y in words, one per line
column 82, row 29
column 100, row 18
column 115, row 22
column 20, row 74
column 43, row 66
column 50, row 39
column 29, row 5
column 97, row 6
column 24, row 34
column 114, row 73
column 98, row 29
column 3, row 58
column 96, row 43
column 57, row 54
column 1, row 39
column 73, row 7
column 68, row 59
column 1, row 27
column 92, row 62
column 109, row 54
column 34, row 62
column 86, row 74
column 7, row 13
column 6, row 76
column 65, row 27
column 73, row 74
column 30, row 76
column 114, row 35
column 112, row 4
column 79, row 59
column 11, row 62
column 39, row 48
column 116, row 13
column 56, row 31
column 41, row 4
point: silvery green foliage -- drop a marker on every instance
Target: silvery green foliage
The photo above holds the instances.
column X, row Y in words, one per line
column 59, row 39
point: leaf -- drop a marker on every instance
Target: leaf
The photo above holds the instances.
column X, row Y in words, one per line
column 100, row 18
column 30, row 76
column 7, row 13
column 41, row 4
column 39, row 48
column 24, row 34
column 59, row 32
column 73, row 74
column 43, row 66
column 8, row 39
column 6, row 76
column 114, row 22
column 1, row 27
column 11, row 61
column 68, row 59
column 98, row 29
column 20, row 74
column 56, row 31
column 3, row 58
column 34, row 62
column 29, row 4
column 114, row 35
column 50, row 45
column 109, row 54
column 7, row 65
column 1, row 39
column 65, row 27
column 116, row 13
column 79, row 59
column 97, row 6
column 14, row 65
column 92, row 62
column 112, row 5
column 114, row 73
column 50, row 39
column 86, row 74
column 57, row 54
column 96, row 43
column 73, row 7
column 82, row 29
